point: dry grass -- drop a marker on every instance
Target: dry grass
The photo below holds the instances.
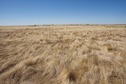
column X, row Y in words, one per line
column 63, row 55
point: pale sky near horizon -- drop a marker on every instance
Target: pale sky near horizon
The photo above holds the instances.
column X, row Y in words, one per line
column 29, row 12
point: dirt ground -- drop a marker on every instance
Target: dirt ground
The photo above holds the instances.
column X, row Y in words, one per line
column 83, row 54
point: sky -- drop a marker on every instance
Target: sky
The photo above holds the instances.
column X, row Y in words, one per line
column 30, row 12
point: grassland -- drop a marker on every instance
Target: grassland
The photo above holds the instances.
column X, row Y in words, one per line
column 76, row 54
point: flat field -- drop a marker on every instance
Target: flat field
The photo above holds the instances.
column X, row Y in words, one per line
column 83, row 54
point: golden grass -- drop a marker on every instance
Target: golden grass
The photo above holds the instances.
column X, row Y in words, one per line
column 82, row 54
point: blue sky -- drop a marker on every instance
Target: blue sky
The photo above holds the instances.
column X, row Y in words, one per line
column 28, row 12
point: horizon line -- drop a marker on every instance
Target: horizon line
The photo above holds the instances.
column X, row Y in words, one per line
column 60, row 24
